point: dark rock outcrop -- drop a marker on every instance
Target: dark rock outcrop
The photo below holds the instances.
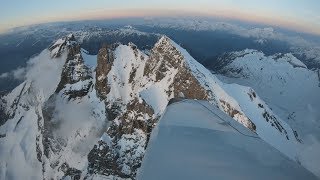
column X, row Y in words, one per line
column 104, row 64
column 74, row 69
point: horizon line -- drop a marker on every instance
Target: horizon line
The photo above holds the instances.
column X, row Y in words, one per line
column 170, row 13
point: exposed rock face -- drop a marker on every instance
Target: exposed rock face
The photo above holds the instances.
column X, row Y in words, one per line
column 132, row 118
column 74, row 69
column 164, row 57
column 129, row 134
column 61, row 45
column 75, row 86
column 98, row 119
column 186, row 82
column 105, row 61
column 3, row 114
column 130, row 123
column 234, row 113
column 189, row 86
column 133, row 122
column 271, row 76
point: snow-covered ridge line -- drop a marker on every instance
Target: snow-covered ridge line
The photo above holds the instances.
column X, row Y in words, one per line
column 96, row 117
column 57, row 48
column 288, row 88
column 187, row 124
column 249, row 104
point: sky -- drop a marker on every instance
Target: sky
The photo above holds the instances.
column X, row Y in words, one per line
column 298, row 15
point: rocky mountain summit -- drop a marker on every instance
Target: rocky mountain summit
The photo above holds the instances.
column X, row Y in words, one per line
column 90, row 116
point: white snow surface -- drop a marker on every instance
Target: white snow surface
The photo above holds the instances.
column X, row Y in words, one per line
column 156, row 97
column 17, row 149
column 81, row 122
column 83, row 119
column 237, row 96
column 126, row 60
column 89, row 60
column 290, row 90
column 195, row 140
column 118, row 78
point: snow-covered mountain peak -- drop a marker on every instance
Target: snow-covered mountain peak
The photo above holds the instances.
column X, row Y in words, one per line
column 164, row 40
column 288, row 87
column 290, row 58
column 169, row 48
column 61, row 44
column 96, row 116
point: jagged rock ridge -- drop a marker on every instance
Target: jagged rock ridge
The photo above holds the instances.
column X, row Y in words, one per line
column 96, row 120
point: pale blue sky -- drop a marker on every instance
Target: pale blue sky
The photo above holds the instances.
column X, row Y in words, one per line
column 301, row 15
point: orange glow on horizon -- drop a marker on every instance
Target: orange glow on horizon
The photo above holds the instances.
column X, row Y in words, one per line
column 98, row 14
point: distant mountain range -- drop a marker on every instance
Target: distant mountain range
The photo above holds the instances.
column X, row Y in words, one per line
column 86, row 105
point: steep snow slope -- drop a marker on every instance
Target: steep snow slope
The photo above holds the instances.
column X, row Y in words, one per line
column 49, row 130
column 195, row 140
column 288, row 87
column 94, row 119
column 268, row 125
column 169, row 71
column 18, row 143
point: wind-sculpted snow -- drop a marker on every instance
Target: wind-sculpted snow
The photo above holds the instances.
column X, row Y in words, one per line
column 90, row 116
